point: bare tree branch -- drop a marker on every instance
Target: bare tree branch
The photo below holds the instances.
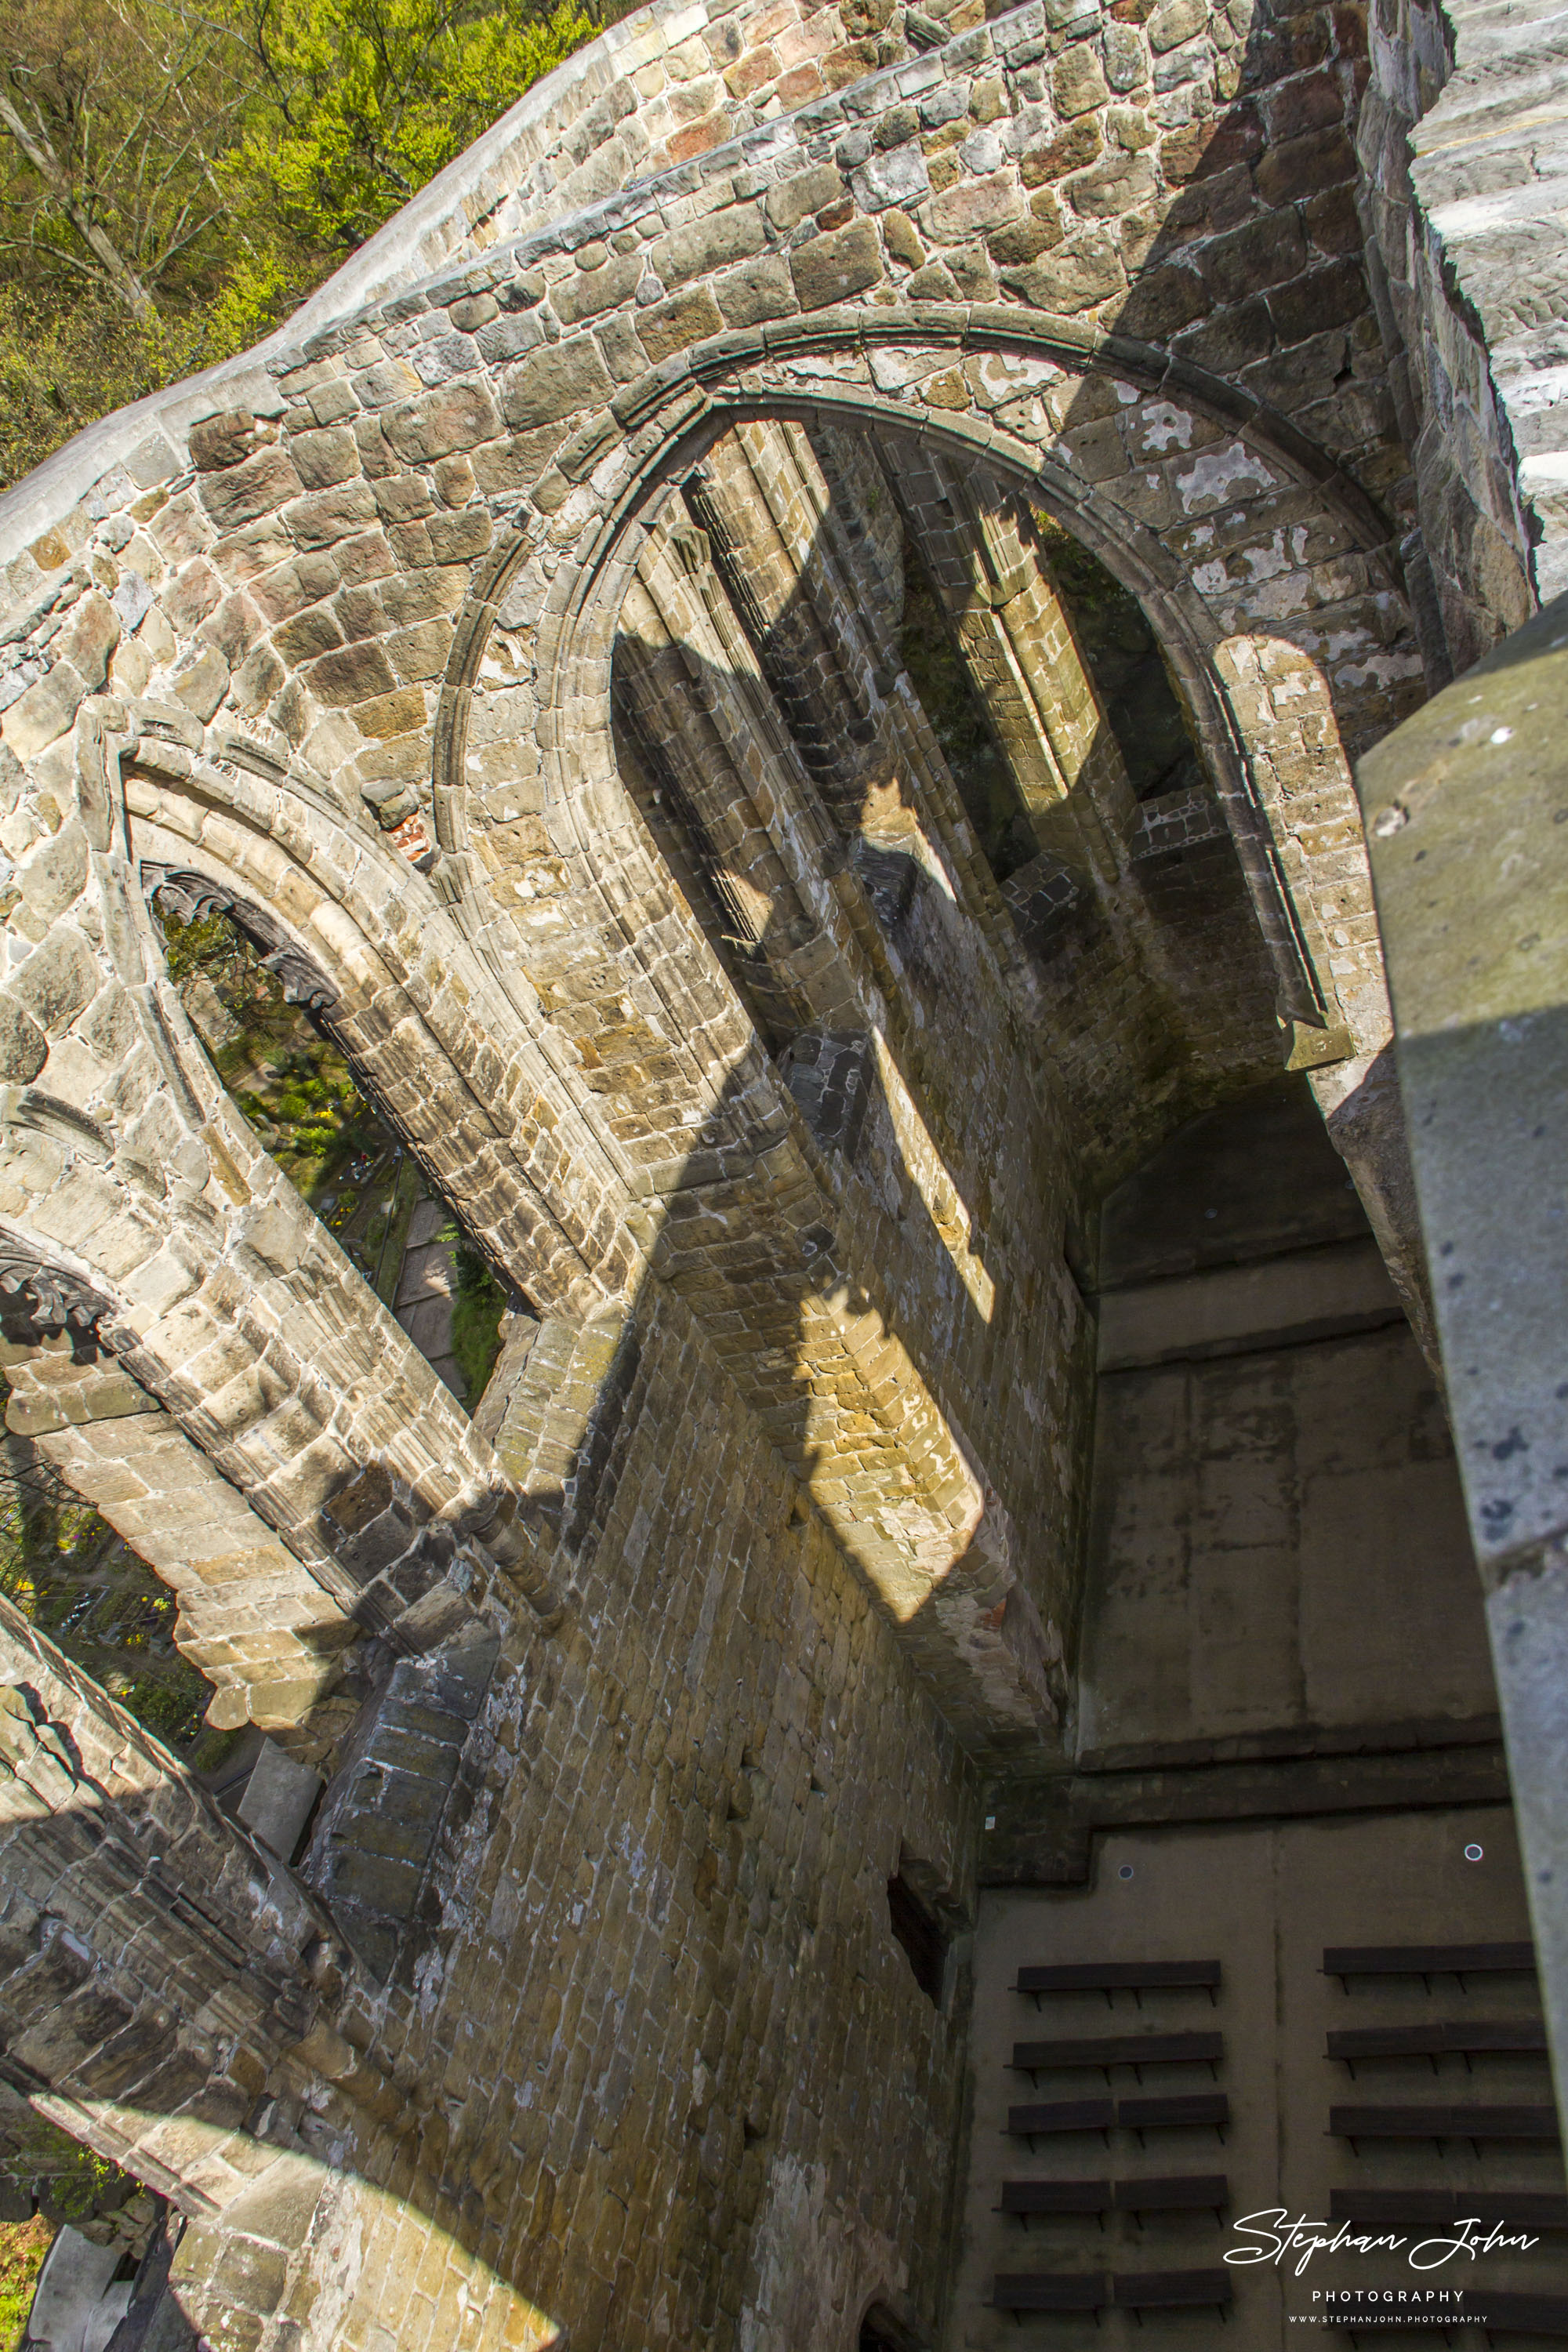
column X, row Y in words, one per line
column 42, row 157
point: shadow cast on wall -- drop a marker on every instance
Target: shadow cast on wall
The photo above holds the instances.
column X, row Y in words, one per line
column 913, row 1283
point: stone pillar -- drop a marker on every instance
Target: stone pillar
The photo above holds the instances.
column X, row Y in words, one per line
column 769, row 548
column 1465, row 807
column 1303, row 791
column 155, row 1962
column 714, row 747
column 1015, row 636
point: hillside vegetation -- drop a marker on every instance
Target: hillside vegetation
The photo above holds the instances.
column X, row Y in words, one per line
column 175, row 179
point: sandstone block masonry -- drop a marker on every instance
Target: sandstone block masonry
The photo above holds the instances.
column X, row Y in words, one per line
column 522, row 641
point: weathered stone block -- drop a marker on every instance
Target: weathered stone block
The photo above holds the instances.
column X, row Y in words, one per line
column 253, row 487
column 762, row 289
column 794, row 200
column 41, row 715
column 591, row 291
column 1078, row 82
column 23, row 1047
column 671, row 327
column 351, row 674
column 1126, row 63
column 387, row 715
column 90, row 636
column 460, row 416
column 1083, row 272
column 973, row 205
column 1175, row 21
column 1311, row 102
column 58, row 980
column 309, row 632
column 898, row 177
column 324, row 517
column 1018, row 242
column 1161, row 302
column 555, row 384
column 322, row 460
column 830, row 268
column 459, row 538
column 1264, row 252
column 1292, row 168
column 1111, row 187
column 1070, row 150
column 707, row 245
column 1326, row 297
column 202, row 684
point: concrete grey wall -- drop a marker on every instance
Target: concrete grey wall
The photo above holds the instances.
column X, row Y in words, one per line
column 1265, row 1899
column 1465, row 813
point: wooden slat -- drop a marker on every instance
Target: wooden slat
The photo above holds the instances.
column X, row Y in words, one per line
column 1526, row 2210
column 1166, row 2289
column 1159, row 2114
column 1180, row 2193
column 1449, row 2039
column 1062, row 2115
column 1530, row 2123
column 1056, row 2197
column 1121, row 2050
column 1429, row 1959
column 1049, row 2291
column 1116, row 1976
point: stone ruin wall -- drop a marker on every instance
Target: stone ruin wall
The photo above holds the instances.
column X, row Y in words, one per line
column 1462, row 157
column 707, row 1626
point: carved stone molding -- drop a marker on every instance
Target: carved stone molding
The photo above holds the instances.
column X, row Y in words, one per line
column 191, row 896
column 51, row 1299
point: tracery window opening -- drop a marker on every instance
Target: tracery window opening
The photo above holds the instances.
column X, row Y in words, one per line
column 959, row 719
column 721, row 902
column 263, row 1012
column 1143, row 707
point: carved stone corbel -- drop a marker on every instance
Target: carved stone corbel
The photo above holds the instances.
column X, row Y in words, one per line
column 191, row 896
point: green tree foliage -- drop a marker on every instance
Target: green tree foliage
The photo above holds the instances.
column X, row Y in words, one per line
column 361, row 101
column 23, row 2248
column 177, row 175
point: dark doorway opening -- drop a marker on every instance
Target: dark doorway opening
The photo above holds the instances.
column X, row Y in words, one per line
column 918, row 1931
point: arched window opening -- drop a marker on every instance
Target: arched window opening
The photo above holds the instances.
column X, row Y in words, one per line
column 50, row 2184
column 257, row 1008
column 67, row 1573
column 1147, row 715
column 960, row 725
column 880, row 2332
column 918, row 1931
column 1044, row 681
column 62, row 1566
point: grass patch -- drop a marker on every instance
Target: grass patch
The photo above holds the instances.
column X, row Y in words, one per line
column 23, row 2246
column 476, row 1305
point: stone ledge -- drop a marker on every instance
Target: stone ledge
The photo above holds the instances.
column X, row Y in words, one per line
column 1045, row 1832
column 1239, row 1310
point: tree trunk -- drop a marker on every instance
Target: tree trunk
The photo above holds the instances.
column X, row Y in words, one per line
column 44, row 160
